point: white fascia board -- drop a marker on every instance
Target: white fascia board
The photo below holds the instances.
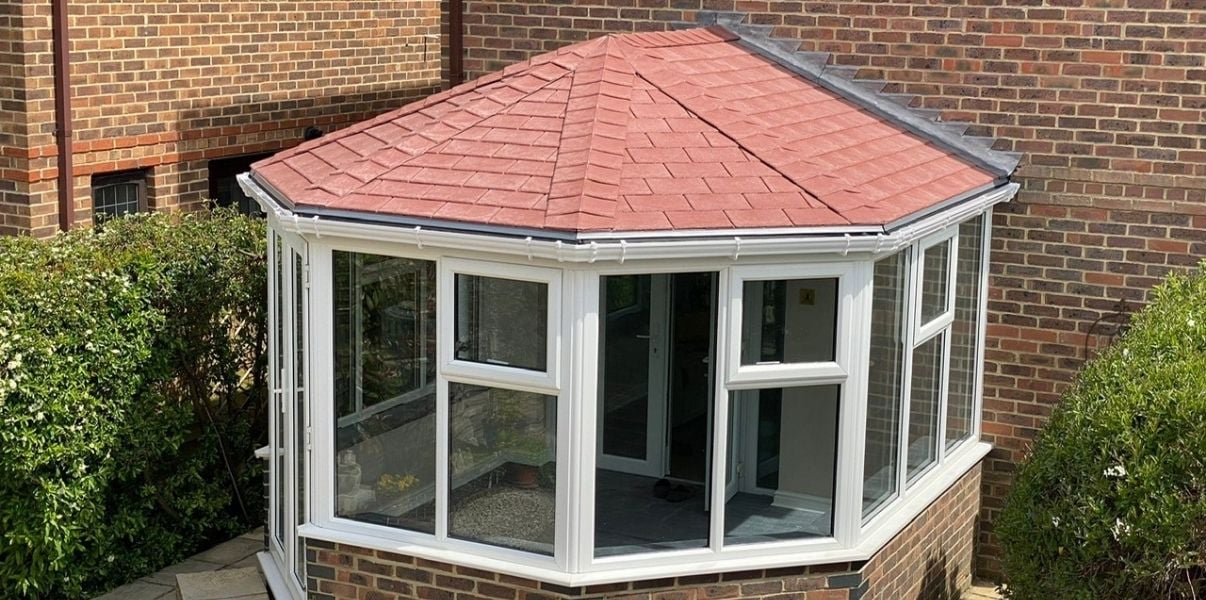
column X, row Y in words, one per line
column 731, row 244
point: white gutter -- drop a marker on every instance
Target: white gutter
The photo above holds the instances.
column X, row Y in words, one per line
column 731, row 244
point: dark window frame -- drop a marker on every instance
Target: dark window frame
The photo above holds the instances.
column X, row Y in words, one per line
column 103, row 181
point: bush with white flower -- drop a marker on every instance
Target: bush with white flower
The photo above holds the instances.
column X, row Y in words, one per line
column 117, row 346
column 1111, row 502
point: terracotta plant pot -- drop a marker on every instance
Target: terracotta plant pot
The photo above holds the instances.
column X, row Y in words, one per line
column 522, row 476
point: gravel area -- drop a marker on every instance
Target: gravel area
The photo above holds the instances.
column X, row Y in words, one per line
column 507, row 516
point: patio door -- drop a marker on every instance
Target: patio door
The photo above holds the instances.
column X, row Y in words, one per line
column 289, row 343
column 657, row 345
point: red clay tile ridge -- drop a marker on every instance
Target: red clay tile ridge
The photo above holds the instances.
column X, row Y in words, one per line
column 687, row 130
column 868, row 92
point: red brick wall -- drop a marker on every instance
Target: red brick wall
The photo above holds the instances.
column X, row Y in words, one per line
column 1105, row 97
column 933, row 558
column 168, row 85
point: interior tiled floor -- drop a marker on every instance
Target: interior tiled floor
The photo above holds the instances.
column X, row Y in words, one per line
column 629, row 518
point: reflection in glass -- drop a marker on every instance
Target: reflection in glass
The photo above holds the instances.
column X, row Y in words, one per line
column 624, row 378
column 655, row 372
column 923, row 405
column 278, row 416
column 790, row 321
column 785, row 445
column 502, row 321
column 934, row 279
column 385, row 390
column 965, row 332
column 502, row 467
column 882, row 442
column 299, row 416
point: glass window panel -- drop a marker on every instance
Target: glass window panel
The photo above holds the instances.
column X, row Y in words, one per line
column 965, row 333
column 934, row 279
column 502, row 321
column 624, row 374
column 502, row 467
column 299, row 417
column 278, row 382
column 882, row 442
column 385, row 396
column 788, row 320
column 784, row 441
column 923, row 405
column 116, row 195
column 656, row 371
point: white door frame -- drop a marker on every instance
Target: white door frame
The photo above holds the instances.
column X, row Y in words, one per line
column 284, row 401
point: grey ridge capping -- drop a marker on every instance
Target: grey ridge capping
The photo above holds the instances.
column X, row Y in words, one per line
column 815, row 67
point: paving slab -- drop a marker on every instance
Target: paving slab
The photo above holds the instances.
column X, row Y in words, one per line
column 140, row 590
column 228, row 553
column 982, row 591
column 167, row 575
column 229, row 584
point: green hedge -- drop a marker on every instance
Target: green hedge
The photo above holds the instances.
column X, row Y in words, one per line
column 131, row 360
column 1111, row 503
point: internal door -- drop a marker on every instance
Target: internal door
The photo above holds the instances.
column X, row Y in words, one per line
column 633, row 331
column 287, row 380
column 657, row 348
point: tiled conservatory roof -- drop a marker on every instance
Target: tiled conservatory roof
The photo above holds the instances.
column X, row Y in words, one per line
column 691, row 129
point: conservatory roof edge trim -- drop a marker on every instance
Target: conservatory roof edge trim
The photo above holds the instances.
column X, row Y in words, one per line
column 630, row 246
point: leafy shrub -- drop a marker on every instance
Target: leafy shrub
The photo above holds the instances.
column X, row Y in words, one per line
column 1111, row 503
column 131, row 361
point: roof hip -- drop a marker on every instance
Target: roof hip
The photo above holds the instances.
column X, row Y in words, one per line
column 815, row 67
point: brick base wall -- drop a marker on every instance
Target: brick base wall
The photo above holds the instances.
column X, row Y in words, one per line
column 931, row 559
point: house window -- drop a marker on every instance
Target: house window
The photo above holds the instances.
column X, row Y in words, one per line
column 502, row 467
column 655, row 412
column 224, row 190
column 502, row 321
column 385, row 396
column 785, row 445
column 965, row 333
column 672, row 416
column 888, row 321
column 118, row 194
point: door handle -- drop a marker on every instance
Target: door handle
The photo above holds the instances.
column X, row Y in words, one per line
column 642, row 336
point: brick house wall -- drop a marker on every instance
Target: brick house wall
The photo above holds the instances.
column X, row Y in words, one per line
column 897, row 572
column 167, row 86
column 1105, row 98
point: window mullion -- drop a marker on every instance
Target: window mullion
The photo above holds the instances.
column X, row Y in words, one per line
column 728, row 304
column 913, row 295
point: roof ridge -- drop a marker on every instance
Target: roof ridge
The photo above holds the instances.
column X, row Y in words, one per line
column 585, row 171
column 840, row 80
column 698, row 111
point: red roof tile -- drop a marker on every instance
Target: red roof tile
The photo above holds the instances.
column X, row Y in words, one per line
column 650, row 131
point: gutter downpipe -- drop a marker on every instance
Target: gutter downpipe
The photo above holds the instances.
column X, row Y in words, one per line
column 62, row 112
column 456, row 42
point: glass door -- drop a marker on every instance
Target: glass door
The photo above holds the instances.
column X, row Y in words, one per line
column 632, row 378
column 289, row 305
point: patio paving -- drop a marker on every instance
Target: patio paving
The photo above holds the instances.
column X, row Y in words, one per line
column 982, row 591
column 214, row 572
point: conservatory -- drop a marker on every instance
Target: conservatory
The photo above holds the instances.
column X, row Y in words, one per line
column 652, row 305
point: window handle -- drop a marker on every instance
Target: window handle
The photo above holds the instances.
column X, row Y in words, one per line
column 642, row 336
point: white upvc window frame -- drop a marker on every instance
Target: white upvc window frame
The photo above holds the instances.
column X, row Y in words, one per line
column 480, row 373
column 920, row 333
column 761, row 375
column 981, row 327
column 572, row 373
